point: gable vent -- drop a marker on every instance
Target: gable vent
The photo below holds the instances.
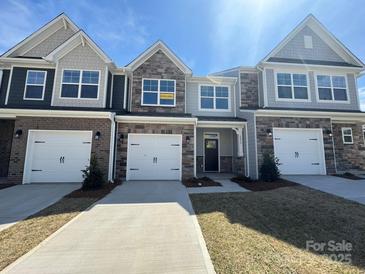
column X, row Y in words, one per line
column 308, row 43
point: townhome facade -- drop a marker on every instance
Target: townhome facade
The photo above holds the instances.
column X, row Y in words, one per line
column 62, row 99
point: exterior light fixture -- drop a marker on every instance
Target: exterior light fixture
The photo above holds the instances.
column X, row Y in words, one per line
column 97, row 135
column 329, row 132
column 187, row 139
column 18, row 133
column 269, row 132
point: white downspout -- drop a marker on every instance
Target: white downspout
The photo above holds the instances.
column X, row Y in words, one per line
column 112, row 145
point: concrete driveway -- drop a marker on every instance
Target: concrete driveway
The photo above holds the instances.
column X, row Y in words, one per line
column 19, row 202
column 349, row 189
column 141, row 227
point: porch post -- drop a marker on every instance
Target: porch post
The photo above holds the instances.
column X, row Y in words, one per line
column 239, row 141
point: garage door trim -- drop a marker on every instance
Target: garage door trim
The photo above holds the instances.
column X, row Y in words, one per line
column 153, row 134
column 28, row 150
column 321, row 143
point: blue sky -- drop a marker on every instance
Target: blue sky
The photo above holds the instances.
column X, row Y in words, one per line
column 208, row 35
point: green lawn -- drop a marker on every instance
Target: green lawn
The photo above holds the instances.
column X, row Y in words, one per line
column 266, row 232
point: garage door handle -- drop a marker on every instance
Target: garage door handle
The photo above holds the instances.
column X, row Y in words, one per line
column 62, row 159
column 36, row 169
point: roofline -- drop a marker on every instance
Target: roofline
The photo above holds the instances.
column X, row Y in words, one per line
column 212, row 78
column 38, row 31
column 152, row 50
column 314, row 65
column 239, row 68
column 155, row 119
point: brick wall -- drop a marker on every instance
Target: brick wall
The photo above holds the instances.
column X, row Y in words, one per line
column 158, row 66
column 6, row 137
column 265, row 142
column 349, row 156
column 249, row 90
column 100, row 148
column 187, row 149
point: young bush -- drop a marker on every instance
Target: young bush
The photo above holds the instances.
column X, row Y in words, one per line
column 93, row 176
column 269, row 171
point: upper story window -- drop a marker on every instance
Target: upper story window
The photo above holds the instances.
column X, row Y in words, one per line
column 347, row 136
column 82, row 84
column 35, row 85
column 292, row 86
column 214, row 98
column 332, row 88
column 158, row 92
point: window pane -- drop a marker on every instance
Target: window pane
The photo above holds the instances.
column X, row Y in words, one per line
column 70, row 91
column 90, row 77
column 284, row 92
column 348, row 139
column 150, row 85
column 338, row 82
column 300, row 79
column 150, row 98
column 88, row 91
column 323, row 80
column 36, row 77
column 206, row 103
column 207, row 91
column 71, row 76
column 347, row 132
column 300, row 93
column 324, row 94
column 340, row 94
column 168, row 86
column 34, row 92
column 167, row 102
column 284, row 79
column 221, row 103
column 221, row 91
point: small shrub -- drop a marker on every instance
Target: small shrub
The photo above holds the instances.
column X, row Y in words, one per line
column 93, row 176
column 269, row 171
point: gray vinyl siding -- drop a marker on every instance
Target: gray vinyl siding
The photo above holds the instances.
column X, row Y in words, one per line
column 225, row 144
column 82, row 57
column 295, row 49
column 234, row 73
column 118, row 91
column 251, row 142
column 4, row 86
column 351, row 86
column 193, row 101
column 49, row 44
column 17, row 87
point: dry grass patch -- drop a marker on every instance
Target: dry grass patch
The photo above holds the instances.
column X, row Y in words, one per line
column 266, row 232
column 20, row 238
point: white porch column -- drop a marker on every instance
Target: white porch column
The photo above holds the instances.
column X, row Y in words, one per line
column 239, row 141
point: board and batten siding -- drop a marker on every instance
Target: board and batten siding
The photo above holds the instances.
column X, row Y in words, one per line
column 82, row 58
column 4, row 86
column 118, row 92
column 313, row 103
column 193, row 100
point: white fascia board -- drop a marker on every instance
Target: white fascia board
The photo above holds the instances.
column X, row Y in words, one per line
column 221, row 124
column 54, row 113
column 155, row 120
column 213, row 79
column 25, row 61
column 276, row 65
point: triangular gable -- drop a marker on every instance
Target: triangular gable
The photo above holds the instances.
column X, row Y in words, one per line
column 38, row 36
column 337, row 52
column 159, row 45
column 78, row 38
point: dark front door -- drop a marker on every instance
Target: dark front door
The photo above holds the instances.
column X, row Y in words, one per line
column 211, row 154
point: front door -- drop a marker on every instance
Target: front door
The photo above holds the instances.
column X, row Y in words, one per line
column 211, row 155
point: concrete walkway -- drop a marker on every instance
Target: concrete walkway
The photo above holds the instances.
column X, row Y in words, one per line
column 349, row 189
column 227, row 186
column 141, row 227
column 19, row 202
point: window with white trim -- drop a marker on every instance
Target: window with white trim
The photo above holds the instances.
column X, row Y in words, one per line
column 347, row 135
column 158, row 92
column 292, row 86
column 214, row 97
column 332, row 88
column 35, row 85
column 80, row 84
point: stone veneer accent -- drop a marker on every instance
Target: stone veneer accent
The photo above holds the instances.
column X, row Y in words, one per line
column 100, row 148
column 6, row 138
column 239, row 165
column 158, row 66
column 122, row 145
column 349, row 156
column 228, row 164
column 265, row 142
column 249, row 90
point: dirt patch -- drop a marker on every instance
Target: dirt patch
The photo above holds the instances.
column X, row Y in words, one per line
column 256, row 185
column 200, row 182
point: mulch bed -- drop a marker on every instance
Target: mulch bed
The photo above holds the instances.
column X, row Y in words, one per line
column 93, row 193
column 261, row 185
column 200, row 182
column 348, row 175
column 2, row 186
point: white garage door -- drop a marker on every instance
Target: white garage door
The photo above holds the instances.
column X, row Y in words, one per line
column 154, row 157
column 57, row 156
column 300, row 151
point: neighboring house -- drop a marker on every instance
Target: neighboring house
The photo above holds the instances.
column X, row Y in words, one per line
column 62, row 99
